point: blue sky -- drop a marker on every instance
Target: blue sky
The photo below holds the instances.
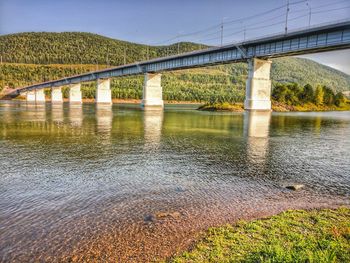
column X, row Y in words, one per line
column 156, row 21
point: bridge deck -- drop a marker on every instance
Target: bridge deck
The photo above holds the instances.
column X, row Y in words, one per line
column 317, row 39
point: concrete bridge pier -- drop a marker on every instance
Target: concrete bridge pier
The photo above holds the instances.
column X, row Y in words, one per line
column 152, row 91
column 30, row 96
column 39, row 96
column 258, row 85
column 56, row 95
column 103, row 91
column 75, row 93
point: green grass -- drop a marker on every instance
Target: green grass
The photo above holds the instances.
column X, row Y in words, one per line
column 292, row 236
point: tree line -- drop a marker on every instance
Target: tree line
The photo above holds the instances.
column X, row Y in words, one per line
column 294, row 95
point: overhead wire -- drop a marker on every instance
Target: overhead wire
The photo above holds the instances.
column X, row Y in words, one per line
column 228, row 22
column 201, row 35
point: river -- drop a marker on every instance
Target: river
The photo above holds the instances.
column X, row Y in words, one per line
column 118, row 184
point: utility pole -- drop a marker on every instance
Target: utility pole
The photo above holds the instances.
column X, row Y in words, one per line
column 178, row 41
column 286, row 26
column 107, row 60
column 147, row 52
column 222, row 32
column 124, row 55
column 308, row 5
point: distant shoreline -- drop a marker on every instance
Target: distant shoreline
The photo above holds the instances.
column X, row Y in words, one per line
column 124, row 101
column 226, row 107
column 276, row 107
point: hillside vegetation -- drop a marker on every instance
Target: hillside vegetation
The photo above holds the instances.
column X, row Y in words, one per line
column 80, row 48
column 35, row 57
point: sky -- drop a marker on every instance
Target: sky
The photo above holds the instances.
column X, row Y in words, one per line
column 158, row 22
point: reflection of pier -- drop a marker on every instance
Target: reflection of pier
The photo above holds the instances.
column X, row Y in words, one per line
column 256, row 129
column 104, row 117
column 33, row 112
column 76, row 114
column 6, row 116
column 153, row 122
column 57, row 112
column 6, row 112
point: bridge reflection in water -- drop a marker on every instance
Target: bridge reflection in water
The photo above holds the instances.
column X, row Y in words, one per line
column 256, row 130
column 76, row 114
column 57, row 112
column 33, row 112
column 152, row 124
column 104, row 118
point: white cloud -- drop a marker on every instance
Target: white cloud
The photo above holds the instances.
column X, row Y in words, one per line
column 336, row 59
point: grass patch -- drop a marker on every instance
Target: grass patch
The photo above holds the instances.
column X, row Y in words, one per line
column 292, row 236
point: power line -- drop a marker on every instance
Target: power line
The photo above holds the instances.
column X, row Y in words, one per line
column 330, row 10
column 325, row 5
column 265, row 12
column 213, row 27
column 256, row 25
column 259, row 22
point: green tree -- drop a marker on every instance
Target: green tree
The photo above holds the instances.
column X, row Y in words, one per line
column 328, row 96
column 319, row 93
column 307, row 95
column 279, row 93
column 339, row 99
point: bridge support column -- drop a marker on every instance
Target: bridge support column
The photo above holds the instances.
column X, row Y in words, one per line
column 152, row 91
column 103, row 91
column 30, row 96
column 258, row 86
column 75, row 93
column 39, row 96
column 56, row 95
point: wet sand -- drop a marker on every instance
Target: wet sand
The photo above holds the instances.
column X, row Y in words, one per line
column 146, row 237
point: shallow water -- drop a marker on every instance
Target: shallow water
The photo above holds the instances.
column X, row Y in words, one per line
column 88, row 183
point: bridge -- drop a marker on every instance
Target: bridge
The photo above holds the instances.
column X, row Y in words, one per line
column 256, row 52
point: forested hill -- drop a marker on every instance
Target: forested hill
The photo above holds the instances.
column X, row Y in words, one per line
column 305, row 71
column 85, row 48
column 80, row 48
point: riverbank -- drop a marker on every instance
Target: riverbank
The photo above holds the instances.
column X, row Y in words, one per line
column 236, row 107
column 276, row 106
column 309, row 107
column 292, row 236
column 123, row 101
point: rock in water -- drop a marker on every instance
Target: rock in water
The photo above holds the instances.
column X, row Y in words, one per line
column 295, row 187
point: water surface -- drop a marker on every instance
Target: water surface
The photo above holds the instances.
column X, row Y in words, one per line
column 99, row 183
